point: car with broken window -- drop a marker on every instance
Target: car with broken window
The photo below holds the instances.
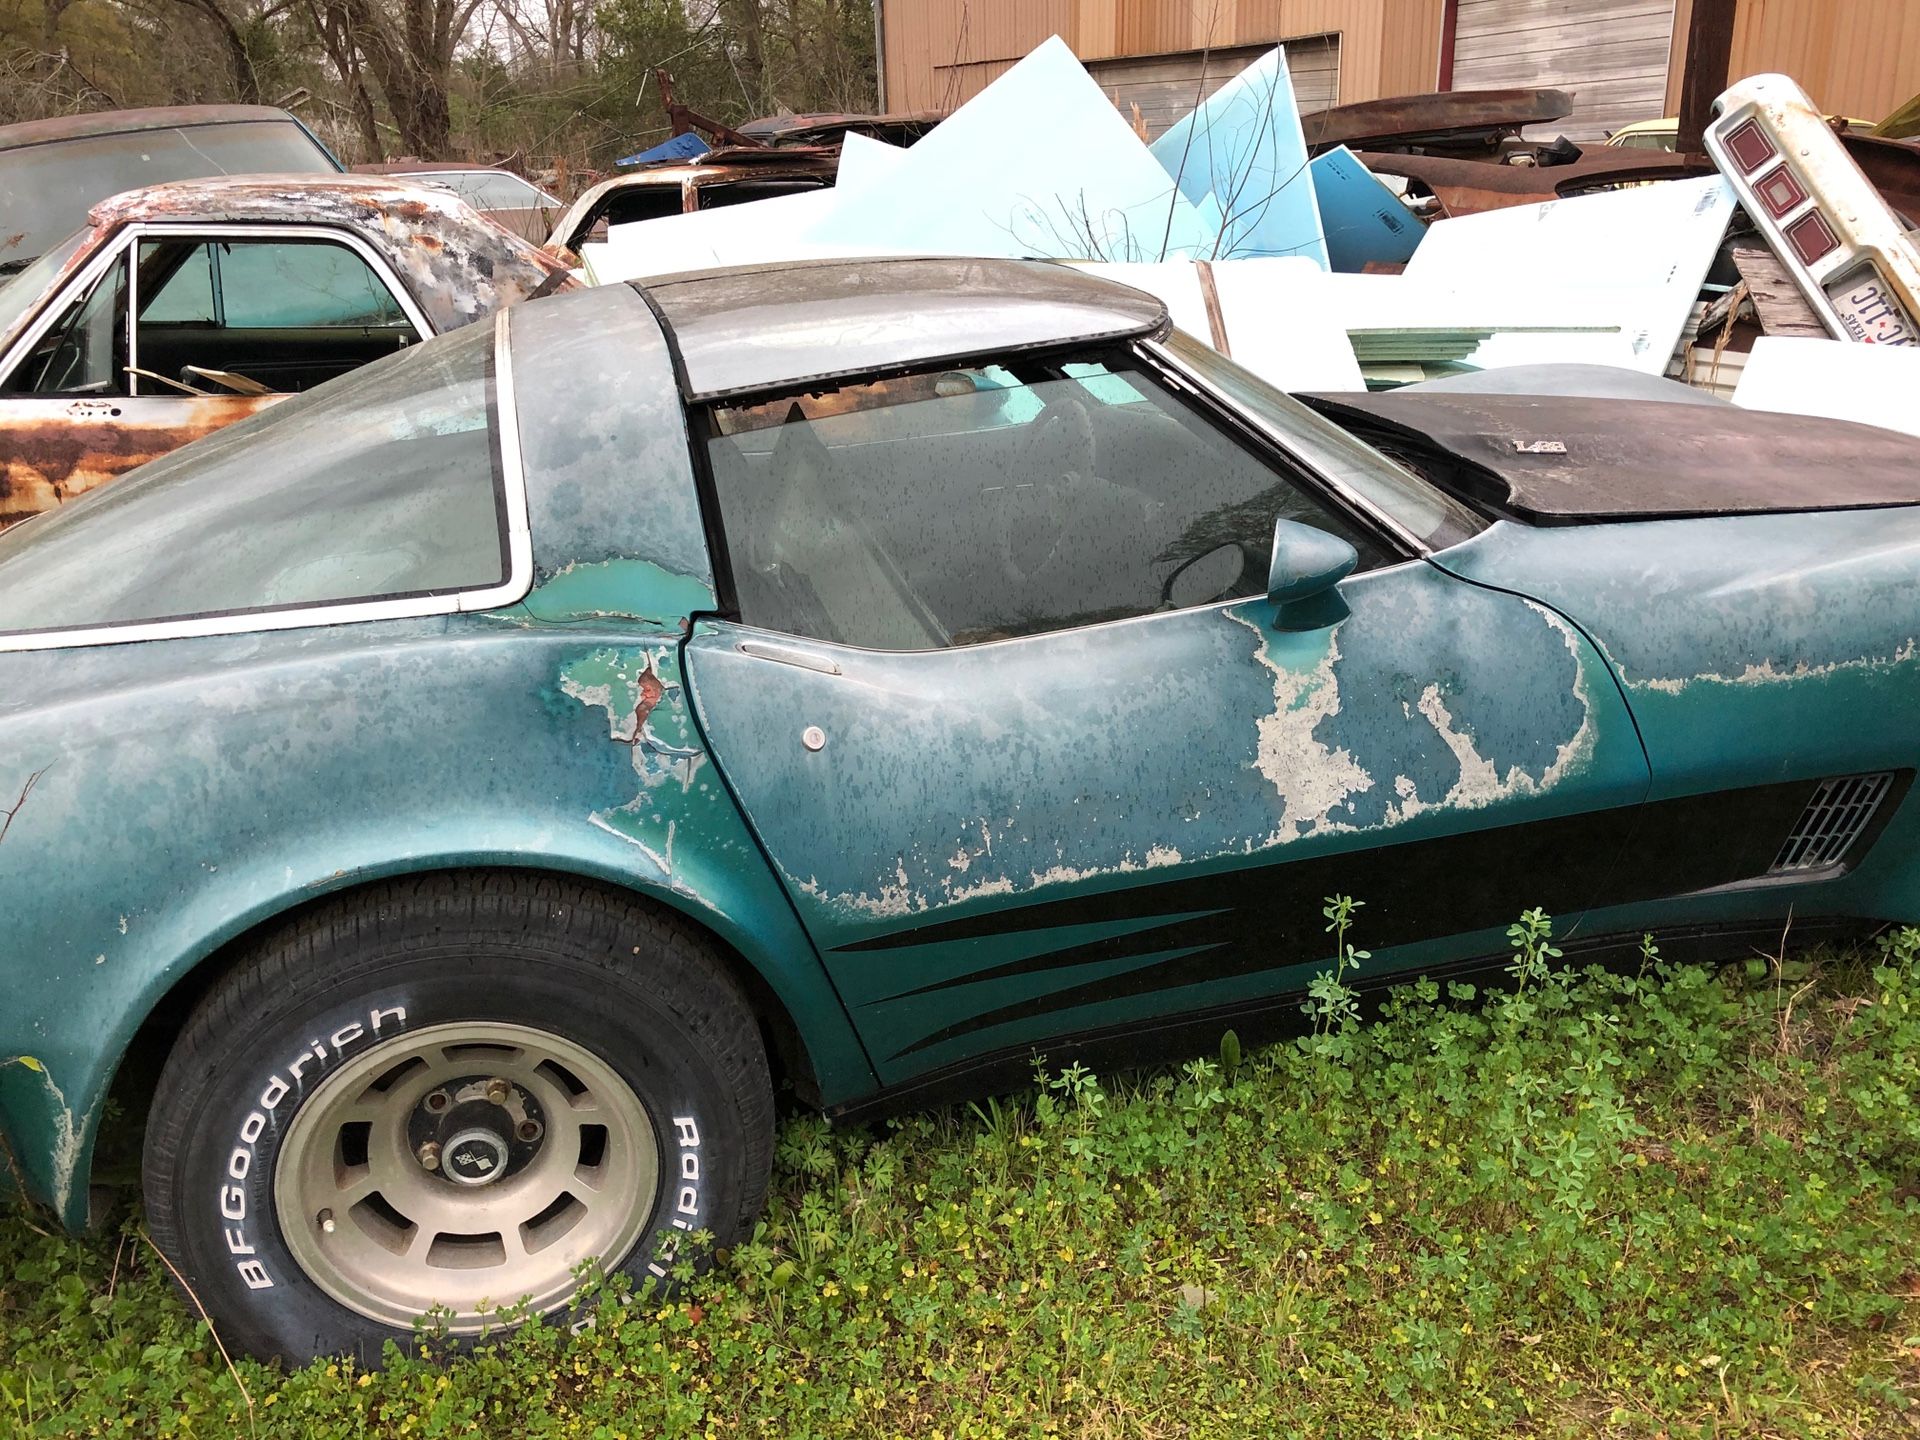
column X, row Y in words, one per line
column 53, row 170
column 181, row 308
column 472, row 785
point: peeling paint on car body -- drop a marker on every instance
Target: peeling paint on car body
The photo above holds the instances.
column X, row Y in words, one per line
column 303, row 725
column 1142, row 754
column 1785, row 644
column 942, row 860
column 50, row 460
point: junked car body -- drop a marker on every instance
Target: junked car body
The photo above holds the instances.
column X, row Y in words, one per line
column 894, row 668
column 732, row 175
column 53, row 171
column 507, row 199
column 181, row 308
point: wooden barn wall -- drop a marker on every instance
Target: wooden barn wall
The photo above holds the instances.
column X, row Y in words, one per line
column 942, row 52
column 1854, row 57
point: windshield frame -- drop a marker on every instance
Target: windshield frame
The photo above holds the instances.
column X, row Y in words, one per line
column 516, row 535
column 1329, row 452
column 51, row 264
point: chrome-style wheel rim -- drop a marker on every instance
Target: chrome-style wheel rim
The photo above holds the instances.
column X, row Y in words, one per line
column 465, row 1168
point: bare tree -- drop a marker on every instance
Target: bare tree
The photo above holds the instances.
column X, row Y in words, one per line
column 238, row 24
column 408, row 48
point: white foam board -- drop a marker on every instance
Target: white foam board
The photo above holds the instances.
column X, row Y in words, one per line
column 1637, row 255
column 1243, row 146
column 1038, row 163
column 1841, row 379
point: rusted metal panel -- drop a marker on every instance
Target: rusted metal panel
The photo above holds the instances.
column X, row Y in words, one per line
column 603, row 203
column 901, row 128
column 1892, row 165
column 458, row 265
column 1453, row 120
column 1467, row 187
column 49, row 459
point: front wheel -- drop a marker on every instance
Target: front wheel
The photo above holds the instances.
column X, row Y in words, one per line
column 443, row 1096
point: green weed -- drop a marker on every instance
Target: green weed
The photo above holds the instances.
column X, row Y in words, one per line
column 1671, row 1203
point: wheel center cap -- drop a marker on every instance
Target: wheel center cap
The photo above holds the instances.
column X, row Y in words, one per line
column 476, row 1156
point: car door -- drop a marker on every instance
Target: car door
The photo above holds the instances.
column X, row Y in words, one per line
column 1009, row 710
column 175, row 332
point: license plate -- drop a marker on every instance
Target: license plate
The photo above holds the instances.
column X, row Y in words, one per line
column 1869, row 311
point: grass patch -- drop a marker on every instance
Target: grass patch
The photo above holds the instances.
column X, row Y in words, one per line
column 1663, row 1205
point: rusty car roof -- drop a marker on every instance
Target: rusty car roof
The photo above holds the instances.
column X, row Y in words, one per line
column 897, row 128
column 777, row 327
column 457, row 264
column 120, row 122
column 726, row 163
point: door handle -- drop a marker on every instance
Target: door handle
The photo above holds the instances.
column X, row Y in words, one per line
column 787, row 655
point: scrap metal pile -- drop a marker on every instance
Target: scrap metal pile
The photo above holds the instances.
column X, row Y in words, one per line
column 1400, row 241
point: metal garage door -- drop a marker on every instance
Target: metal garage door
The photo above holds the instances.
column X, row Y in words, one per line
column 1612, row 54
column 1166, row 87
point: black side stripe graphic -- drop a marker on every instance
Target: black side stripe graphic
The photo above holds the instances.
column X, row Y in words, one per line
column 1267, row 917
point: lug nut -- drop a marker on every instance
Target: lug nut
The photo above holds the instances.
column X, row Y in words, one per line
column 529, row 1130
column 438, row 1101
column 429, row 1155
column 325, row 1217
column 498, row 1090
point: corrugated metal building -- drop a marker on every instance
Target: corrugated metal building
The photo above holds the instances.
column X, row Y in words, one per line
column 1620, row 58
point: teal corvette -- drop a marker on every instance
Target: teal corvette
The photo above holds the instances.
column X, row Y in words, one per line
column 447, row 803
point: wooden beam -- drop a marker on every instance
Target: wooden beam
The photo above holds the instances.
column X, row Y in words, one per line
column 1709, row 53
column 1783, row 310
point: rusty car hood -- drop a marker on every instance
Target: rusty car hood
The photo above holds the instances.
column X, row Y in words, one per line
column 1561, row 460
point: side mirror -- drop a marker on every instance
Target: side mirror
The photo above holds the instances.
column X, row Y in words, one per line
column 1308, row 566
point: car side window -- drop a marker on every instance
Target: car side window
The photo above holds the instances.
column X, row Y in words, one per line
column 84, row 351
column 966, row 505
column 387, row 485
column 281, row 314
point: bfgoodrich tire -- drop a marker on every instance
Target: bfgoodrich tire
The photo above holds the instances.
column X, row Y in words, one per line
column 447, row 1093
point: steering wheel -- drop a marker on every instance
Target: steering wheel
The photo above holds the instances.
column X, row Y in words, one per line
column 1059, row 454
column 1226, row 590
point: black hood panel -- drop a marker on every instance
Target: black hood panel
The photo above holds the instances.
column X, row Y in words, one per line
column 1559, row 460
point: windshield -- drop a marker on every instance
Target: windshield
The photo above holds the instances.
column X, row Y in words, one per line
column 382, row 485
column 46, row 190
column 1431, row 515
column 19, row 294
column 490, row 189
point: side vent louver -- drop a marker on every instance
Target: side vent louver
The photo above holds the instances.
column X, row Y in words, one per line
column 1839, row 810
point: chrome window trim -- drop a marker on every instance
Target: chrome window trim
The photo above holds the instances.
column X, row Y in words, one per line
column 1167, row 361
column 130, row 235
column 519, row 580
column 79, row 283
